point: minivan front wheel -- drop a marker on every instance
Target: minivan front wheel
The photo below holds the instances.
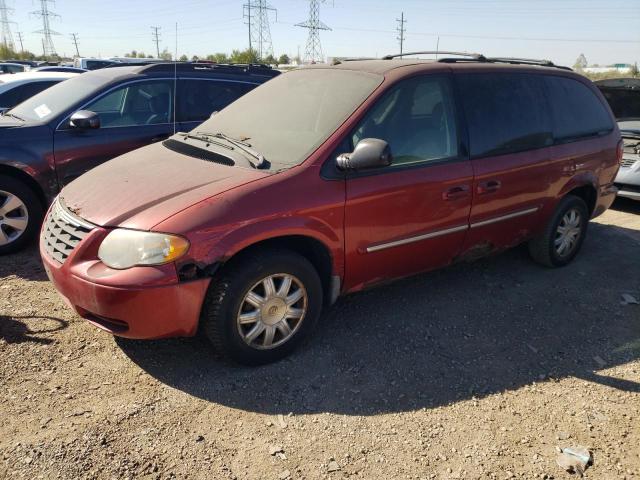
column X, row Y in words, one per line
column 20, row 214
column 563, row 236
column 261, row 307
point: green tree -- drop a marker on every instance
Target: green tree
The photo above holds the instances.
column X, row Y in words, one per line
column 634, row 70
column 141, row 55
column 270, row 59
column 284, row 59
column 218, row 58
column 132, row 54
column 166, row 54
column 184, row 58
column 581, row 62
column 244, row 56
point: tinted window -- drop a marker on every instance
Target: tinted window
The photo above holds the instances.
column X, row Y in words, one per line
column 505, row 113
column 577, row 112
column 30, row 89
column 198, row 99
column 624, row 102
column 416, row 118
column 139, row 103
column 10, row 98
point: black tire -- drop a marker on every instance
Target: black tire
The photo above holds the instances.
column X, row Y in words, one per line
column 226, row 295
column 34, row 211
column 543, row 249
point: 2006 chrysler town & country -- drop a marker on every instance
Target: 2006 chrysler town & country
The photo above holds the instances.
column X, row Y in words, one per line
column 327, row 180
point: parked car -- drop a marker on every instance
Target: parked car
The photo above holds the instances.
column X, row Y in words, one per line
column 12, row 68
column 623, row 95
column 57, row 68
column 91, row 63
column 325, row 181
column 15, row 89
column 62, row 132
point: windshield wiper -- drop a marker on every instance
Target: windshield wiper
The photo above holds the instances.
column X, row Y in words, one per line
column 204, row 138
column 244, row 146
column 12, row 115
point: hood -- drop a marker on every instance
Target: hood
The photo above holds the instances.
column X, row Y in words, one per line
column 141, row 188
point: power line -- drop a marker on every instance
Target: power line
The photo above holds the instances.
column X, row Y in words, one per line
column 401, row 30
column 256, row 13
column 7, row 37
column 313, row 52
column 20, row 40
column 45, row 14
column 156, row 38
column 74, row 36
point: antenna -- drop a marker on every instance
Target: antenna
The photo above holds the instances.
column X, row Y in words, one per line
column 45, row 14
column 313, row 52
column 7, row 37
column 257, row 14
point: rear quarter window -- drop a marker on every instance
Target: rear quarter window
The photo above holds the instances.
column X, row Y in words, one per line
column 505, row 112
column 577, row 112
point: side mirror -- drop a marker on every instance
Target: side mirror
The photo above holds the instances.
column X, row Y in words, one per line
column 369, row 153
column 213, row 114
column 85, row 120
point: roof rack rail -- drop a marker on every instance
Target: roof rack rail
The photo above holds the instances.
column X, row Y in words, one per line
column 525, row 61
column 473, row 56
column 203, row 67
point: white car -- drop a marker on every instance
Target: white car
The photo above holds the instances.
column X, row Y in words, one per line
column 16, row 88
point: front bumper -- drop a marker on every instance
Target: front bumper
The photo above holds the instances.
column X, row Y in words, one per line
column 139, row 302
column 628, row 179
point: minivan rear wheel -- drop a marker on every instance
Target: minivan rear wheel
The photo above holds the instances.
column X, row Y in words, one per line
column 563, row 236
column 262, row 306
column 20, row 214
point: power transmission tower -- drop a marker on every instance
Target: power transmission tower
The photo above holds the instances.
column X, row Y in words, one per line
column 156, row 38
column 7, row 37
column 401, row 30
column 74, row 36
column 45, row 14
column 20, row 40
column 313, row 52
column 257, row 14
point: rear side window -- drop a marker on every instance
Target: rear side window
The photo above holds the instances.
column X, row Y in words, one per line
column 505, row 113
column 198, row 99
column 577, row 112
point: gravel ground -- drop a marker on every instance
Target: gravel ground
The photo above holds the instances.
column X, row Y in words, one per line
column 476, row 371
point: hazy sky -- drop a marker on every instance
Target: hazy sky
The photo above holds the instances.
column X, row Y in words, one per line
column 605, row 31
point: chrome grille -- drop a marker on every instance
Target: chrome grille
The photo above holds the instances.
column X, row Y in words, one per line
column 62, row 232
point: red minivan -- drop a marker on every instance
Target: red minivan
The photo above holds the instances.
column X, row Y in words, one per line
column 325, row 181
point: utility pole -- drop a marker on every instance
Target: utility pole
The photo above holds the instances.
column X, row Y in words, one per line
column 20, row 40
column 257, row 14
column 74, row 36
column 156, row 38
column 313, row 52
column 45, row 14
column 401, row 30
column 7, row 37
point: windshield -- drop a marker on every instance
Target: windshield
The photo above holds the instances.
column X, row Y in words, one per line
column 288, row 117
column 59, row 98
column 624, row 102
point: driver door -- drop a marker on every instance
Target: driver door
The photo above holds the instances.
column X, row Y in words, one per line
column 131, row 116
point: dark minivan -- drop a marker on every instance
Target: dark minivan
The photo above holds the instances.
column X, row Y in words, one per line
column 325, row 181
column 57, row 135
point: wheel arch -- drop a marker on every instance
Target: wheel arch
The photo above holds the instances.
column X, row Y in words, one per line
column 584, row 186
column 28, row 180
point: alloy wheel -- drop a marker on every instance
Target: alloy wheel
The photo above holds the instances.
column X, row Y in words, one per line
column 272, row 311
column 14, row 217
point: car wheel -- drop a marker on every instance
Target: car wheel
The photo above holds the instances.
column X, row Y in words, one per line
column 262, row 306
column 563, row 236
column 20, row 214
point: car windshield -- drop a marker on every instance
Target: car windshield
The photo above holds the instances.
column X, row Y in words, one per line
column 59, row 98
column 625, row 102
column 290, row 116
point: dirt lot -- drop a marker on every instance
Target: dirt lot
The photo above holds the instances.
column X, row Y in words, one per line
column 476, row 371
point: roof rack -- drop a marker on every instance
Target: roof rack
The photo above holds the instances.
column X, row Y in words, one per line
column 204, row 67
column 525, row 61
column 472, row 56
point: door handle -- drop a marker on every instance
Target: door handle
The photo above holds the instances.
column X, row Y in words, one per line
column 489, row 186
column 454, row 193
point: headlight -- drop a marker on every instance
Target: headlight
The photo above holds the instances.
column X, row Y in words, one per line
column 127, row 248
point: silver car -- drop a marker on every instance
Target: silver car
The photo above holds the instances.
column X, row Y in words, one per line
column 623, row 95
